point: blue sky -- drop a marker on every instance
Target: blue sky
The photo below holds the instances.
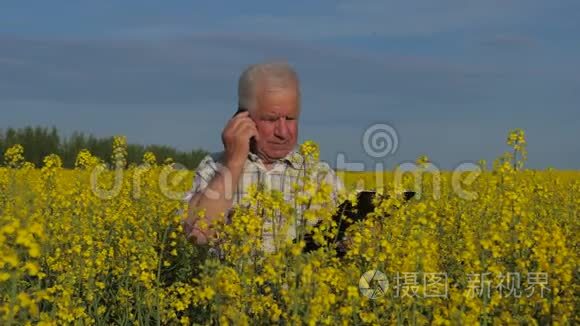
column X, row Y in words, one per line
column 452, row 77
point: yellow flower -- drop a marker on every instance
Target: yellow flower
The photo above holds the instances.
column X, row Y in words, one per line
column 4, row 277
column 64, row 249
column 14, row 156
column 32, row 268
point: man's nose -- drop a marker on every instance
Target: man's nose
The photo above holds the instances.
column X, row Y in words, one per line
column 281, row 130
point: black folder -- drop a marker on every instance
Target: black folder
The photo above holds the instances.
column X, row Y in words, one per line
column 347, row 214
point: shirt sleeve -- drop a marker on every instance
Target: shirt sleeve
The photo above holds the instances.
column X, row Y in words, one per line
column 205, row 171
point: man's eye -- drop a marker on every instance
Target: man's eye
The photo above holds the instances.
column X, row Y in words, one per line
column 274, row 119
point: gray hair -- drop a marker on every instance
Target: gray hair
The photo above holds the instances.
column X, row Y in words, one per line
column 270, row 75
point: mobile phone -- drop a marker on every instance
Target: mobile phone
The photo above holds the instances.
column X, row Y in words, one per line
column 240, row 110
column 252, row 139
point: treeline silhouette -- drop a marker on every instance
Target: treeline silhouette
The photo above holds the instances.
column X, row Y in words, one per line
column 39, row 142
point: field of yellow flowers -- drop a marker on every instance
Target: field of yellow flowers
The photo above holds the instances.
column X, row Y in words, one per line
column 97, row 245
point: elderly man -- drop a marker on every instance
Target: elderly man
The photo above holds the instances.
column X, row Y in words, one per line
column 259, row 144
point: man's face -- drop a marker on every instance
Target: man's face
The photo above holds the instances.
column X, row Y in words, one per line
column 276, row 118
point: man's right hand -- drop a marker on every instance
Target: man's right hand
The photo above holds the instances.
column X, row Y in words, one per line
column 236, row 138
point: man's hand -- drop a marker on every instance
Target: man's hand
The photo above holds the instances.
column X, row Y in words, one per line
column 236, row 139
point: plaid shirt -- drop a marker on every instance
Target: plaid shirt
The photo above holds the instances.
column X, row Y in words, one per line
column 281, row 176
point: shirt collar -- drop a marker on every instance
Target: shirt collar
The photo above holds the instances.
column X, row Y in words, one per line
column 294, row 158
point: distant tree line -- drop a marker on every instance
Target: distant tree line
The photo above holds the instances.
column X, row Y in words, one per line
column 39, row 142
